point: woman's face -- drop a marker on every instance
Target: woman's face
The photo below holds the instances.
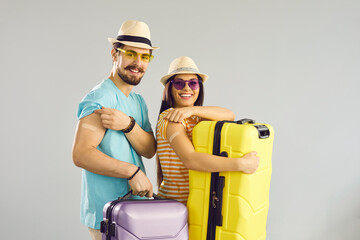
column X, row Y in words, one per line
column 185, row 97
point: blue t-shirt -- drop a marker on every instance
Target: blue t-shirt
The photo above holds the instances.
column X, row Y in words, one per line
column 96, row 190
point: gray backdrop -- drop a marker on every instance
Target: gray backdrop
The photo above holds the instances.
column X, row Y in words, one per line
column 293, row 64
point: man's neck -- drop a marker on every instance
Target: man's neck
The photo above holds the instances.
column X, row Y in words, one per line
column 124, row 87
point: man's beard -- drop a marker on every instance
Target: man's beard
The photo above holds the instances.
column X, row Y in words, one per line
column 132, row 80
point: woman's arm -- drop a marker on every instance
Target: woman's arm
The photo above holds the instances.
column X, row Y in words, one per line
column 203, row 161
column 209, row 113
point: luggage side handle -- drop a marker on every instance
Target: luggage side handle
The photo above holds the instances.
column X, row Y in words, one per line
column 263, row 130
column 245, row 120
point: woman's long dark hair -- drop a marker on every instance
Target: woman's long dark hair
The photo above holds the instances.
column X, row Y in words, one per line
column 169, row 103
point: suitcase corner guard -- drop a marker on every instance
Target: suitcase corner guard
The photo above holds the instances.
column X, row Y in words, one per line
column 108, row 229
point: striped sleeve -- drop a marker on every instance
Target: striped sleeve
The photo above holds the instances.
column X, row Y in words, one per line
column 175, row 183
column 162, row 125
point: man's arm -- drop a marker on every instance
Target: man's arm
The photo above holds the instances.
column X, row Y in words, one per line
column 88, row 136
column 143, row 142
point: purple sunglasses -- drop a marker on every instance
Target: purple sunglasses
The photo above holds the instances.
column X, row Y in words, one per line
column 179, row 83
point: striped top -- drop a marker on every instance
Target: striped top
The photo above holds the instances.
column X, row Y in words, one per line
column 175, row 184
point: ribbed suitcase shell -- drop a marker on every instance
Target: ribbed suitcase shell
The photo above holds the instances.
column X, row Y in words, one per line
column 148, row 220
column 245, row 200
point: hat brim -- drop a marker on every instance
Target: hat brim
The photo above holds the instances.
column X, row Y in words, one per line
column 133, row 44
column 164, row 79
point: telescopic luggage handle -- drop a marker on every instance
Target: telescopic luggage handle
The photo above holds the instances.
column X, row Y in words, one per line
column 127, row 195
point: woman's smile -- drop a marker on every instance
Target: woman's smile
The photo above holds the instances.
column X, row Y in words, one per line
column 185, row 97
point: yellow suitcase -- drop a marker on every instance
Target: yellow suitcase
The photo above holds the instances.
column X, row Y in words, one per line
column 230, row 205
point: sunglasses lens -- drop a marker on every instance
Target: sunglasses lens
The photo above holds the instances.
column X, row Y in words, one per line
column 145, row 57
column 194, row 84
column 179, row 84
column 131, row 55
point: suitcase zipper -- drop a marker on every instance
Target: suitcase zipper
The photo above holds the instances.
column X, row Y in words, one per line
column 216, row 188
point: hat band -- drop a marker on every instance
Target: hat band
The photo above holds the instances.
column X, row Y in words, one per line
column 129, row 38
column 185, row 69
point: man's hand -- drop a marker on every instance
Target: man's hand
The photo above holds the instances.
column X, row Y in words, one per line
column 141, row 185
column 113, row 118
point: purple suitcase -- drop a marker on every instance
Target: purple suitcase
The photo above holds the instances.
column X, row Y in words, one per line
column 149, row 219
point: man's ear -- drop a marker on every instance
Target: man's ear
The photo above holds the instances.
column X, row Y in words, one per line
column 113, row 54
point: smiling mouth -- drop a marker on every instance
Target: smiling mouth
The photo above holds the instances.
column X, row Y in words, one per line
column 185, row 95
column 134, row 69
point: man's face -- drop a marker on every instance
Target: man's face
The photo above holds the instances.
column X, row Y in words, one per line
column 131, row 69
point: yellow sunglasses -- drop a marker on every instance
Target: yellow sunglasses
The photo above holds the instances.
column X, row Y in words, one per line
column 132, row 55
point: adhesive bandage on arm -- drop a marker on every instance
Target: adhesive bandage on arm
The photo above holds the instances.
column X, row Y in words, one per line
column 88, row 126
column 174, row 135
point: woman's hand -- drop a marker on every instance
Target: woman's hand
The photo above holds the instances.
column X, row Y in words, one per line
column 179, row 114
column 249, row 163
column 204, row 112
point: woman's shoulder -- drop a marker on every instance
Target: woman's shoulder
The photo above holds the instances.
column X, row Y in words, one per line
column 165, row 112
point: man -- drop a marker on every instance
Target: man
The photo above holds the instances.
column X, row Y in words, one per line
column 114, row 129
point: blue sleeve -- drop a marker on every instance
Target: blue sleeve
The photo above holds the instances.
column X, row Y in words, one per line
column 92, row 101
column 144, row 111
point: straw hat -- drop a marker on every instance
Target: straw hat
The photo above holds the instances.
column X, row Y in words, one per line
column 135, row 34
column 182, row 65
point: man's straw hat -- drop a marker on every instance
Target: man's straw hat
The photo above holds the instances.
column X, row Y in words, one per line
column 135, row 34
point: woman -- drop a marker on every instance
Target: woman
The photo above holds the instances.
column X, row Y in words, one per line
column 180, row 111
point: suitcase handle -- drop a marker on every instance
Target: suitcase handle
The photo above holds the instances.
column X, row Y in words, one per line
column 129, row 194
column 245, row 120
column 107, row 226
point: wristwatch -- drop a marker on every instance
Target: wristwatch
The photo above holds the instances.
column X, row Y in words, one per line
column 131, row 125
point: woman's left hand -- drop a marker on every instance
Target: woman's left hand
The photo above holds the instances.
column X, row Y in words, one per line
column 179, row 114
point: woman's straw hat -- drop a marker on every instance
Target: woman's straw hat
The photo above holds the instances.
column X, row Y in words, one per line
column 182, row 65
